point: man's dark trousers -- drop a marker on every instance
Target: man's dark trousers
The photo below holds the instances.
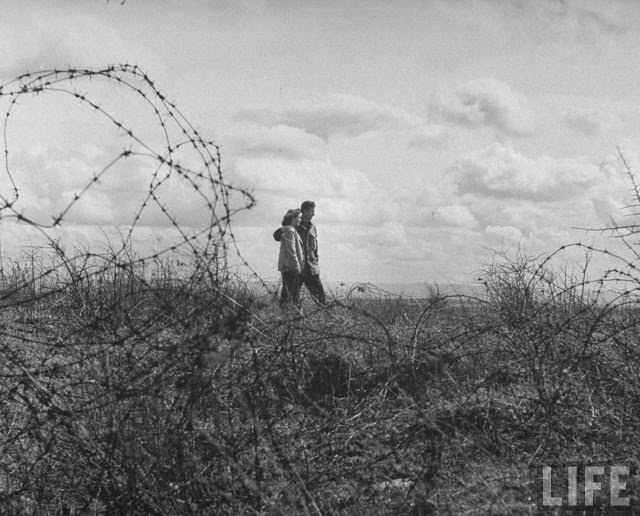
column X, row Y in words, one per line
column 314, row 286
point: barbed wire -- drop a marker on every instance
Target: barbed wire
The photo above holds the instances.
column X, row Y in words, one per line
column 144, row 382
column 95, row 330
column 206, row 181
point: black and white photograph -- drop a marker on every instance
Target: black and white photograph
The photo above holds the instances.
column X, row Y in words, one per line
column 319, row 257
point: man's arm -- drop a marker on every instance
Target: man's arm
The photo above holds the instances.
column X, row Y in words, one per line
column 313, row 231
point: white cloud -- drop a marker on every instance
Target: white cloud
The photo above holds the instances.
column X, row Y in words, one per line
column 343, row 195
column 455, row 216
column 606, row 207
column 282, row 141
column 366, row 230
column 347, row 115
column 506, row 234
column 590, row 18
column 338, row 115
column 59, row 38
column 589, row 121
column 392, row 234
column 489, row 102
column 537, row 203
column 428, row 136
column 48, row 180
column 94, row 207
column 501, row 172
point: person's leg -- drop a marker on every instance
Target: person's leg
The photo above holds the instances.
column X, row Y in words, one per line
column 296, row 286
column 290, row 288
column 315, row 288
column 285, row 296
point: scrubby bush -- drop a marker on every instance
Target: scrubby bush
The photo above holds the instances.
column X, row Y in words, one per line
column 162, row 384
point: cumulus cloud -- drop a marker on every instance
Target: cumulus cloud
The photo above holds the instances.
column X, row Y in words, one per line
column 338, row 115
column 587, row 17
column 407, row 232
column 501, row 172
column 48, row 180
column 586, row 121
column 307, row 130
column 589, row 121
column 535, row 204
column 344, row 195
column 391, row 234
column 459, row 216
column 60, row 38
column 347, row 115
column 250, row 140
column 428, row 136
column 387, row 245
column 489, row 102
column 503, row 234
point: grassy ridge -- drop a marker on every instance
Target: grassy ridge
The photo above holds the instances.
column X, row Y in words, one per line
column 166, row 391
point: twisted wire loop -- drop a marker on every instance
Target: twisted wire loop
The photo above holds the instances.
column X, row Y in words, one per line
column 178, row 134
column 107, row 350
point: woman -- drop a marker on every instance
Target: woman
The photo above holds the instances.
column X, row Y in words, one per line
column 291, row 258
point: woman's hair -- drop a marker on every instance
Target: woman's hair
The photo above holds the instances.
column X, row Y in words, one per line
column 289, row 216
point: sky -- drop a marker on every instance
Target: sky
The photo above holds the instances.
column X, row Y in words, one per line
column 430, row 134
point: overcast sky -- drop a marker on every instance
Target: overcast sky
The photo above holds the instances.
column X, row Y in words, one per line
column 427, row 132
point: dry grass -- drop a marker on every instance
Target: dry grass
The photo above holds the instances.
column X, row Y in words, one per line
column 136, row 396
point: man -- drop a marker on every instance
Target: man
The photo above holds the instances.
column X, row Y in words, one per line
column 310, row 274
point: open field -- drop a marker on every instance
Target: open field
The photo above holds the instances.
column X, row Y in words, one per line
column 126, row 395
column 163, row 385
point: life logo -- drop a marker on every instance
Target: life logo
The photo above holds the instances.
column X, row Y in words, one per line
column 584, row 486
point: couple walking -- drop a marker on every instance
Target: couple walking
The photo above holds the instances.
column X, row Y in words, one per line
column 298, row 259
